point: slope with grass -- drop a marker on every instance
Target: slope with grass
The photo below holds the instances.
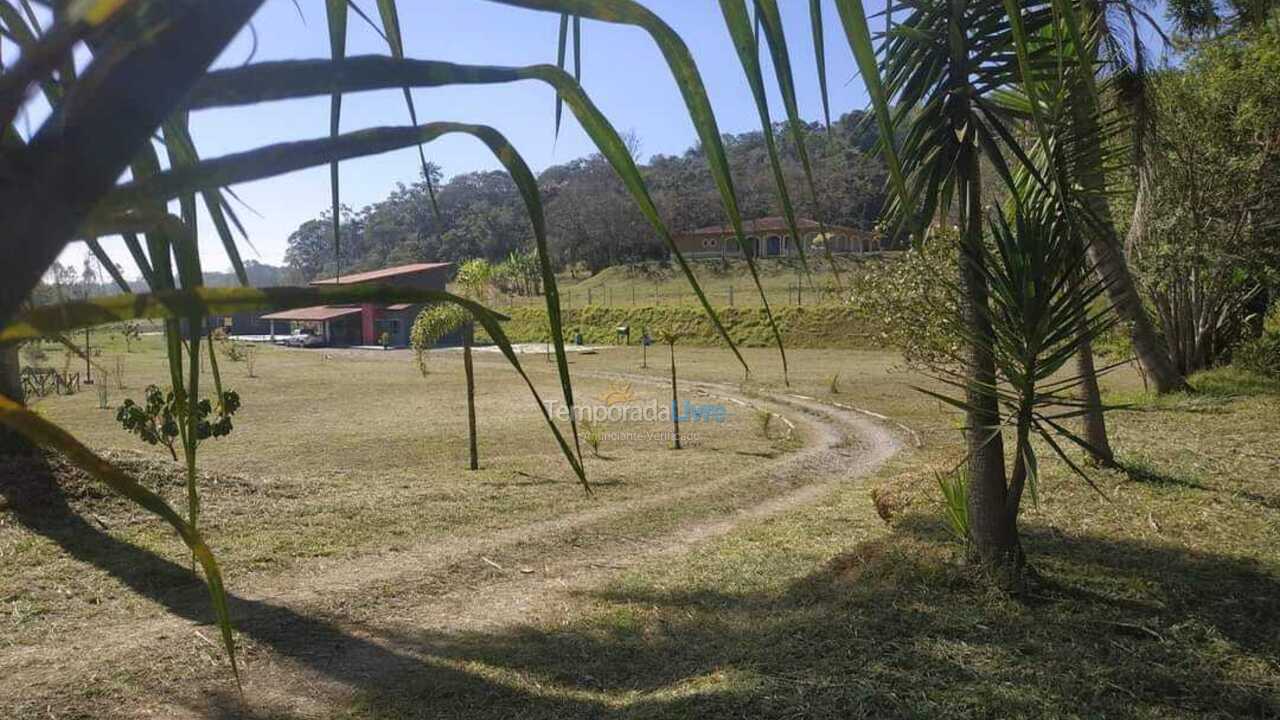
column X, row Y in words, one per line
column 812, row 326
column 662, row 283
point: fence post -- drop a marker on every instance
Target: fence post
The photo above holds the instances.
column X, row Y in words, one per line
column 730, row 296
column 589, row 295
column 633, row 295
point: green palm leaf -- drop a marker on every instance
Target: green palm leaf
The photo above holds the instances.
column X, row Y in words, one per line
column 777, row 39
column 689, row 81
column 290, row 79
column 739, row 24
column 395, row 42
column 820, row 56
column 336, row 12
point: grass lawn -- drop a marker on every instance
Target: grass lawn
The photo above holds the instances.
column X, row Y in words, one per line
column 375, row 578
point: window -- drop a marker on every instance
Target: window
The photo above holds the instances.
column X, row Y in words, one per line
column 391, row 327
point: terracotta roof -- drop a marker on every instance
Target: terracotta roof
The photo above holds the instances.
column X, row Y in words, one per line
column 771, row 224
column 313, row 314
column 382, row 274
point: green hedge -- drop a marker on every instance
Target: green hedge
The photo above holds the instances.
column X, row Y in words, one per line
column 819, row 326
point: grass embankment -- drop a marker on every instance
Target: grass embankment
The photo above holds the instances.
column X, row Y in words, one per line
column 802, row 327
column 725, row 282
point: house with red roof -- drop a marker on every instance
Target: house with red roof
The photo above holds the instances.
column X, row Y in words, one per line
column 364, row 324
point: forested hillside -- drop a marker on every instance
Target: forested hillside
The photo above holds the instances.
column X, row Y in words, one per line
column 592, row 222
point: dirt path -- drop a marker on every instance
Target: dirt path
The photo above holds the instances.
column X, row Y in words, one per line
column 312, row 638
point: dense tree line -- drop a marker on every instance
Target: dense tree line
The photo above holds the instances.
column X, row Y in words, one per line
column 592, row 221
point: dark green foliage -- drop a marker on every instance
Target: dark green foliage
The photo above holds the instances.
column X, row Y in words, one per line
column 591, row 220
column 807, row 326
column 156, row 421
column 1260, row 355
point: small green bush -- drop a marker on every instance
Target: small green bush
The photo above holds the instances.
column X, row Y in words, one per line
column 1260, row 355
column 954, row 487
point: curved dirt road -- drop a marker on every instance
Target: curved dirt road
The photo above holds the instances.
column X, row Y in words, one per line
column 311, row 639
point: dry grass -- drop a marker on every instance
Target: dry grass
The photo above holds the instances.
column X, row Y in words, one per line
column 1158, row 601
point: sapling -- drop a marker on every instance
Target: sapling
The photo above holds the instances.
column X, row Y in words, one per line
column 155, row 421
column 670, row 337
column 765, row 419
column 593, row 434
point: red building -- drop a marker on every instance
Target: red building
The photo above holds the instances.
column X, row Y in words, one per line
column 364, row 324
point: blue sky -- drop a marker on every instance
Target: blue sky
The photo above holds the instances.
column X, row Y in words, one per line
column 622, row 71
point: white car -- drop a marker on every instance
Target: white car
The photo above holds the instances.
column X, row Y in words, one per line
column 304, row 339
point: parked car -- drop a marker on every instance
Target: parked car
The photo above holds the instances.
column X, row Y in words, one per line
column 304, row 338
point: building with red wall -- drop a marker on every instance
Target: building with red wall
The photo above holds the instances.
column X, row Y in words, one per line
column 364, row 324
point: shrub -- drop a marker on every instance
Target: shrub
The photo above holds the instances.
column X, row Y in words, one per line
column 1260, row 355
column 237, row 351
column 131, row 332
column 156, row 421
column 593, row 434
column 764, row 419
column 955, row 506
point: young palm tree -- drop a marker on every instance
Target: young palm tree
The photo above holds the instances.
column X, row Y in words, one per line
column 670, row 337
column 432, row 325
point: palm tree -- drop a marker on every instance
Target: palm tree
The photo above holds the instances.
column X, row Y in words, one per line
column 670, row 337
column 935, row 71
column 432, row 325
column 1103, row 52
column 989, row 80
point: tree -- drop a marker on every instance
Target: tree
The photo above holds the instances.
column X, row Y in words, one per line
column 1104, row 49
column 960, row 114
column 431, row 326
column 1204, row 259
column 670, row 337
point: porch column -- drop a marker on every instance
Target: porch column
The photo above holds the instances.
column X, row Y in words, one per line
column 367, row 337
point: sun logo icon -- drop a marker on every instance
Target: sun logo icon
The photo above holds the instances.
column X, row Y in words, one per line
column 618, row 394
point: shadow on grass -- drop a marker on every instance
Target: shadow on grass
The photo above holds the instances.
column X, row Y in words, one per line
column 894, row 628
column 1144, row 471
column 891, row 628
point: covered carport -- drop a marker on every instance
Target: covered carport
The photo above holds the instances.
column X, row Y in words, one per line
column 337, row 324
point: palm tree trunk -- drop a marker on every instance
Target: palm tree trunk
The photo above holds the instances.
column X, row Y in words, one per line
column 471, row 395
column 1095, row 423
column 1106, row 254
column 994, row 536
column 11, row 443
column 675, row 398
